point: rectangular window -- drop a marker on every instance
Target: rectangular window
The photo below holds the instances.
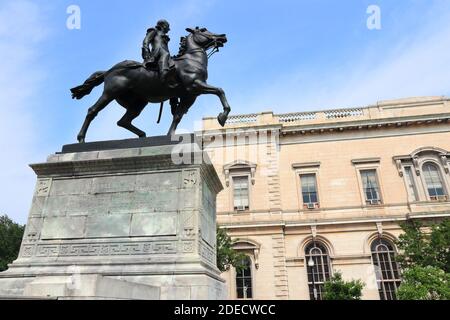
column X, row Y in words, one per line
column 410, row 185
column 309, row 189
column 370, row 186
column 240, row 193
column 244, row 280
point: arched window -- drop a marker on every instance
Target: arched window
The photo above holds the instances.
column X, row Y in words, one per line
column 244, row 286
column 318, row 268
column 433, row 181
column 386, row 269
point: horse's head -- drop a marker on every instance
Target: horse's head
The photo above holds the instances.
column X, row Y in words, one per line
column 206, row 39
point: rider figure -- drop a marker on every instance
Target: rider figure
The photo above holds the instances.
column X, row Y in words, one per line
column 159, row 54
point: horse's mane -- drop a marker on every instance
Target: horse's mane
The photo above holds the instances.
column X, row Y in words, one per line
column 183, row 48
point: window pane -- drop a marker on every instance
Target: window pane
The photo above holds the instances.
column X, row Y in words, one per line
column 240, row 192
column 309, row 188
column 370, row 185
column 433, row 180
column 410, row 185
column 386, row 269
column 318, row 273
column 240, row 293
column 244, row 280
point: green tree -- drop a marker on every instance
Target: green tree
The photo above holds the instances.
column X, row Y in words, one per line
column 338, row 289
column 424, row 283
column 419, row 247
column 226, row 255
column 11, row 235
column 425, row 260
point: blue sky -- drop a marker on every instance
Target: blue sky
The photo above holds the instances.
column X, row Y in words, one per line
column 281, row 55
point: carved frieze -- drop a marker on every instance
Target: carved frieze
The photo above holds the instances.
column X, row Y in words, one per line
column 100, row 249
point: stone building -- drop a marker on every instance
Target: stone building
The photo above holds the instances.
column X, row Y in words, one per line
column 310, row 193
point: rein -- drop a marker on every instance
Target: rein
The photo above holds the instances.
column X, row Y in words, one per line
column 214, row 50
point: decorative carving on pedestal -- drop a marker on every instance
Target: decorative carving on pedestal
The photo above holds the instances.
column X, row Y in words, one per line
column 43, row 187
column 27, row 251
column 103, row 249
column 188, row 246
column 189, row 178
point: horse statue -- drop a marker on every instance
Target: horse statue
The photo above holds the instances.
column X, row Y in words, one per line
column 133, row 86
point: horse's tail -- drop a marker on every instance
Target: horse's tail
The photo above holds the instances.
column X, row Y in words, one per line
column 94, row 80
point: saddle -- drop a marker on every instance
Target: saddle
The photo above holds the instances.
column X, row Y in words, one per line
column 153, row 66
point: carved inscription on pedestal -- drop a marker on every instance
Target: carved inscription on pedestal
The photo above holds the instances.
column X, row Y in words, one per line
column 42, row 187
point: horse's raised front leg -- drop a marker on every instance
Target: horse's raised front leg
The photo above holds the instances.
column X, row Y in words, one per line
column 101, row 103
column 178, row 110
column 205, row 88
column 130, row 115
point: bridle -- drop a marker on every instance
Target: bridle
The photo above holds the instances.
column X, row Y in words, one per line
column 213, row 43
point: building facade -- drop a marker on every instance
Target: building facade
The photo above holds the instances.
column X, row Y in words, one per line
column 311, row 193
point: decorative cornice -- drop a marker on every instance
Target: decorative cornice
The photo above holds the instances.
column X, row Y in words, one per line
column 239, row 165
column 303, row 165
column 366, row 160
column 414, row 102
column 367, row 124
column 247, row 244
column 341, row 221
column 236, row 131
column 153, row 162
column 431, row 149
column 414, row 157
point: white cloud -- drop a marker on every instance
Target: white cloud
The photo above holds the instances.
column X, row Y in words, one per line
column 21, row 32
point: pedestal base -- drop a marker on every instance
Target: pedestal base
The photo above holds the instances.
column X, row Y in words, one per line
column 123, row 223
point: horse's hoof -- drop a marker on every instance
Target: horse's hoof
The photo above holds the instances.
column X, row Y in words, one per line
column 221, row 118
column 80, row 139
column 143, row 135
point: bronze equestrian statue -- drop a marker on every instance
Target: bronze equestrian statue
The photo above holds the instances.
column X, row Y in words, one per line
column 133, row 85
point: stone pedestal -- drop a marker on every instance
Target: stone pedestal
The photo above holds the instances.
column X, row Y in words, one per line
column 129, row 219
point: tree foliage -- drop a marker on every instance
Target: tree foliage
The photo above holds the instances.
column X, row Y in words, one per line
column 425, row 261
column 338, row 289
column 421, row 248
column 11, row 235
column 226, row 255
column 424, row 283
